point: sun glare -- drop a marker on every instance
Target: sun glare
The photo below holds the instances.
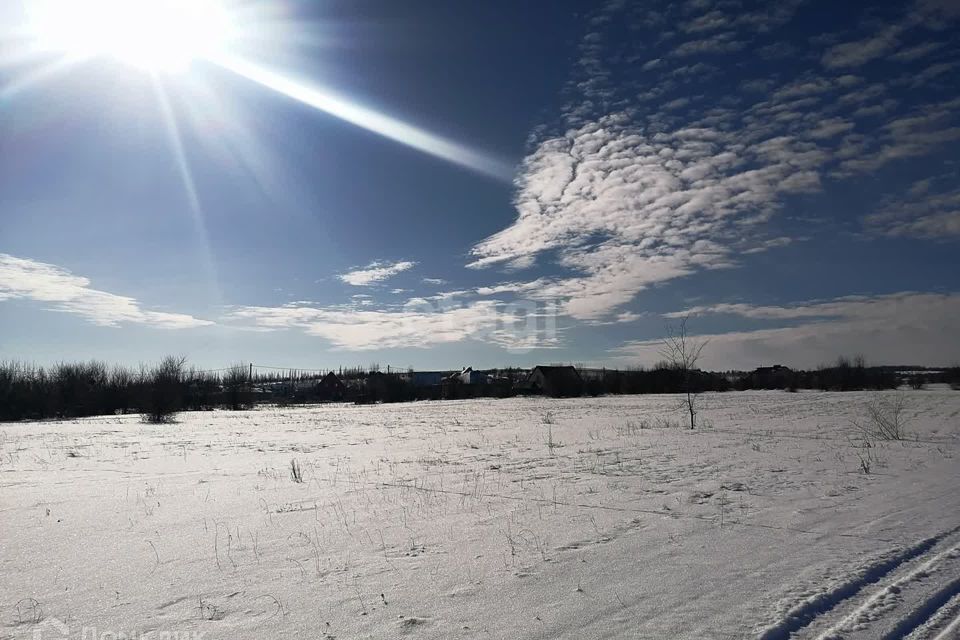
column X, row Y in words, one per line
column 165, row 37
column 154, row 35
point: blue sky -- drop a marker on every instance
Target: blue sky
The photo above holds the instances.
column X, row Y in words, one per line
column 557, row 182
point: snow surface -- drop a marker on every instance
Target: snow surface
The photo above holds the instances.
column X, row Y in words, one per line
column 520, row 518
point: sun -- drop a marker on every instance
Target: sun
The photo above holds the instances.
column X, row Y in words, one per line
column 165, row 37
column 153, row 35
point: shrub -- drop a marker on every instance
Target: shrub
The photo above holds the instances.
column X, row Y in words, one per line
column 164, row 394
column 885, row 418
column 236, row 387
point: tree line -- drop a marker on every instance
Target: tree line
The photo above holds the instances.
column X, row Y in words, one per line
column 846, row 374
column 76, row 390
column 72, row 390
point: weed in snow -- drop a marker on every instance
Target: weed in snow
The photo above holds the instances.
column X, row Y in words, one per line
column 296, row 472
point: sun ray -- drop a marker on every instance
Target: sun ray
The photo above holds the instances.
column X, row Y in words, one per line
column 38, row 76
column 226, row 134
column 367, row 118
column 176, row 143
column 168, row 36
column 175, row 140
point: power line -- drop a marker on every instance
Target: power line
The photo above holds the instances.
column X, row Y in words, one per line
column 263, row 366
column 389, row 367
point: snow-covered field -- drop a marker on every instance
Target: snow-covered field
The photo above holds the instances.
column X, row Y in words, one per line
column 522, row 518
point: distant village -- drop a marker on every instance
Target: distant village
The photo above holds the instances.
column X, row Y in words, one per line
column 566, row 381
column 376, row 386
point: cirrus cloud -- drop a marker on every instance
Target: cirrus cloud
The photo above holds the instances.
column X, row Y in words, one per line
column 419, row 323
column 26, row 279
column 375, row 272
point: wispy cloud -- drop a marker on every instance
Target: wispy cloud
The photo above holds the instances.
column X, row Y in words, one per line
column 720, row 43
column 417, row 324
column 929, row 210
column 859, row 52
column 511, row 287
column 921, row 132
column 375, row 272
column 933, row 73
column 940, row 8
column 916, row 52
column 901, row 328
column 22, row 278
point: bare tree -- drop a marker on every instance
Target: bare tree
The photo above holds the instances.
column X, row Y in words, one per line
column 886, row 418
column 236, row 386
column 681, row 354
column 164, row 395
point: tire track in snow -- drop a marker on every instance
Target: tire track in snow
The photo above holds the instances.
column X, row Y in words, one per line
column 931, row 614
column 872, row 609
column 815, row 607
column 951, row 631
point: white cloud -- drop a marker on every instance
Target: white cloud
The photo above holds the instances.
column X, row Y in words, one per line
column 706, row 22
column 919, row 133
column 511, row 287
column 720, row 43
column 901, row 328
column 916, row 52
column 449, row 295
column 919, row 214
column 653, row 178
column 772, row 243
column 22, row 278
column 932, row 72
column 805, row 87
column 626, row 209
column 418, row 324
column 830, row 128
column 375, row 272
column 855, row 54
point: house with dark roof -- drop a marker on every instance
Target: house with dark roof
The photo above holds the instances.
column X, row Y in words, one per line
column 331, row 388
column 558, row 382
